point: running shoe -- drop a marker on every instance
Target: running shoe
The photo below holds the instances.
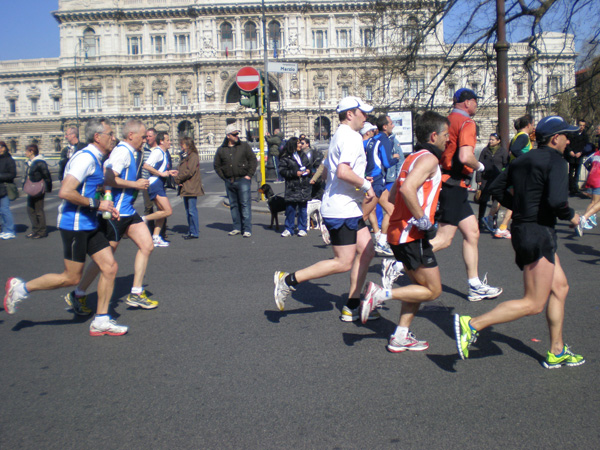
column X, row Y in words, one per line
column 159, row 242
column 502, row 234
column 110, row 327
column 301, row 233
column 373, row 296
column 390, row 272
column 483, row 291
column 141, row 300
column 383, row 250
column 580, row 226
column 286, row 233
column 325, row 234
column 282, row 290
column 7, row 236
column 588, row 225
column 11, row 298
column 566, row 358
column 488, row 222
column 78, row 304
column 410, row 343
column 352, row 315
column 592, row 219
column 247, row 234
column 234, row 232
column 465, row 336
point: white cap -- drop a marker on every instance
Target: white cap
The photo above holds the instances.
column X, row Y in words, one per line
column 232, row 128
column 367, row 127
column 353, row 102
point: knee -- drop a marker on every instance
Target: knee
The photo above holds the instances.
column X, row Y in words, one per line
column 110, row 271
column 535, row 308
column 71, row 279
column 435, row 291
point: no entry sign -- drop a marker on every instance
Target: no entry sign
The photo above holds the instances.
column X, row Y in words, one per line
column 248, row 78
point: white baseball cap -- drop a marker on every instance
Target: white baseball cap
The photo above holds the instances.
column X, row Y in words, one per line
column 367, row 127
column 351, row 103
column 232, row 128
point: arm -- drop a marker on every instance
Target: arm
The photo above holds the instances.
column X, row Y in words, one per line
column 218, row 165
column 424, row 168
column 466, row 155
column 344, row 172
column 11, row 172
column 558, row 187
column 516, row 148
column 111, row 178
column 498, row 189
column 46, row 176
column 155, row 172
column 252, row 161
column 68, row 191
column 187, row 169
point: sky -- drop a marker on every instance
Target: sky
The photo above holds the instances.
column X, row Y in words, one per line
column 30, row 31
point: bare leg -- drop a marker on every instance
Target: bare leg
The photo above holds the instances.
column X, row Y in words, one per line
column 364, row 254
column 470, row 231
column 555, row 312
column 140, row 235
column 427, row 286
column 444, row 236
column 92, row 271
column 70, row 277
column 164, row 210
column 108, row 272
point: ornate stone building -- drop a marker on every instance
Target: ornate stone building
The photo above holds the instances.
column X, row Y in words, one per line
column 173, row 64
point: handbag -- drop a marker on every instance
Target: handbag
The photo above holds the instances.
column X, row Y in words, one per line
column 11, row 191
column 170, row 182
column 34, row 188
column 588, row 163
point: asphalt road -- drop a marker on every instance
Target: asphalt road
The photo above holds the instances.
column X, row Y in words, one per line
column 218, row 366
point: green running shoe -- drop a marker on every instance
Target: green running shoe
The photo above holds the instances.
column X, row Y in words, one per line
column 465, row 336
column 566, row 358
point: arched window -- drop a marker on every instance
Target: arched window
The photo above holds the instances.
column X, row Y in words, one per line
column 412, row 30
column 226, row 36
column 250, row 36
column 89, row 43
column 275, row 37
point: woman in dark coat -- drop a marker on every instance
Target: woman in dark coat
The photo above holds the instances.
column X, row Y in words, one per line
column 8, row 173
column 293, row 167
column 37, row 170
column 495, row 158
column 190, row 181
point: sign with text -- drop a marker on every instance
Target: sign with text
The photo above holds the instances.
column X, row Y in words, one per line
column 403, row 129
column 278, row 67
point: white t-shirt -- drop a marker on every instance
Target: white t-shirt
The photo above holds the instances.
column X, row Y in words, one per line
column 342, row 200
column 119, row 158
column 82, row 164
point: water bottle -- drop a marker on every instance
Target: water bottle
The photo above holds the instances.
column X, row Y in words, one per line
column 107, row 196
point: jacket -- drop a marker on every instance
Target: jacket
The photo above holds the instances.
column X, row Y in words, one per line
column 64, row 158
column 297, row 189
column 494, row 164
column 189, row 176
column 37, row 170
column 274, row 143
column 232, row 163
column 8, row 171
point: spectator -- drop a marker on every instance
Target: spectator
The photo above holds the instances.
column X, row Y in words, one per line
column 72, row 137
column 294, row 169
column 190, row 183
column 8, row 173
column 495, row 158
column 37, row 170
column 274, row 142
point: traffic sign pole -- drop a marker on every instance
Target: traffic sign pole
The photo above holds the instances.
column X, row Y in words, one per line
column 261, row 132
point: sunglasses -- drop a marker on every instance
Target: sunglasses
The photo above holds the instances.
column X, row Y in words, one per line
column 234, row 134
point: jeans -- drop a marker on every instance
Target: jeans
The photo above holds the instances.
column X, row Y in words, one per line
column 290, row 216
column 238, row 193
column 192, row 214
column 8, row 225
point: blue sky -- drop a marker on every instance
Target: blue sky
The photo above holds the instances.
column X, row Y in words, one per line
column 29, row 30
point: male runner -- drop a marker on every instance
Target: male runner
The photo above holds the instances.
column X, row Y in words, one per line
column 78, row 225
column 341, row 210
column 415, row 194
column 535, row 187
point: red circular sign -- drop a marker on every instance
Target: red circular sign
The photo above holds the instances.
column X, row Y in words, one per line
column 248, row 78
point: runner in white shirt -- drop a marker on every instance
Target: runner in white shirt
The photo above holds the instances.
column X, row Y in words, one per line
column 341, row 210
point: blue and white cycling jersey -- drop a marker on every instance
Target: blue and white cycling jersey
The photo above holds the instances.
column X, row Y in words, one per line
column 159, row 161
column 122, row 161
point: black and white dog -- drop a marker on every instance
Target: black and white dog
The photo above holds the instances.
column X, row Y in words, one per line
column 276, row 204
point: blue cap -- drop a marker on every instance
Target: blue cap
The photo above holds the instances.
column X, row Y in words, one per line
column 551, row 125
column 464, row 94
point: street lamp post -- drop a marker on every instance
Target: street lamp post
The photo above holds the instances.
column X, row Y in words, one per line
column 78, row 47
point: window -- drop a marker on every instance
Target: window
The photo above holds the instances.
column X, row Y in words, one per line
column 91, row 100
column 554, row 85
column 519, row 89
column 160, row 99
column 184, row 98
column 415, row 86
column 226, row 36
column 12, row 106
column 475, row 87
column 451, row 90
column 345, row 91
column 136, row 100
column 250, row 36
column 321, row 92
column 274, row 35
column 89, row 43
column 344, row 38
column 367, row 37
column 411, row 30
column 182, row 43
column 56, row 104
column 158, row 44
column 319, row 38
column 369, row 93
column 34, row 105
column 134, row 45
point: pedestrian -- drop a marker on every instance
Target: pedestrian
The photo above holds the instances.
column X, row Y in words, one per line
column 274, row 141
column 494, row 157
column 158, row 167
column 293, row 167
column 535, row 187
column 72, row 137
column 78, row 225
column 574, row 156
column 8, row 173
column 415, row 197
column 341, row 210
column 37, row 172
column 458, row 163
column 235, row 163
column 190, row 182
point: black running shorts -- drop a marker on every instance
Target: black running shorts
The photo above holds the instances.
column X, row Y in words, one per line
column 532, row 242
column 454, row 205
column 415, row 254
column 78, row 244
column 344, row 231
column 116, row 229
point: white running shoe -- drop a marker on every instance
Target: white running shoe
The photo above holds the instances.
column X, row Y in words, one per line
column 373, row 296
column 410, row 343
column 282, row 290
column 483, row 291
column 383, row 250
column 389, row 272
column 286, row 233
column 7, row 236
column 11, row 298
column 301, row 233
column 110, row 327
column 247, row 234
column 159, row 242
column 234, row 232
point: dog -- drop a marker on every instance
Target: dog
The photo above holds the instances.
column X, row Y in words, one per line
column 276, row 204
column 313, row 211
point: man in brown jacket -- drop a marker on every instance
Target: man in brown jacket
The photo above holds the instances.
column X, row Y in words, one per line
column 235, row 163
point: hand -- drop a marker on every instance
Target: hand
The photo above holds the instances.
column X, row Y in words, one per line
column 575, row 220
column 107, row 205
column 142, row 184
column 299, row 173
column 174, row 172
column 247, row 177
column 396, row 156
column 312, row 181
column 370, row 194
column 369, row 179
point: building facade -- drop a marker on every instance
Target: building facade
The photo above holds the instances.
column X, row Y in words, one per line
column 173, row 64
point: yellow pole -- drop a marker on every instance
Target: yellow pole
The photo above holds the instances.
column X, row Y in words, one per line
column 261, row 132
